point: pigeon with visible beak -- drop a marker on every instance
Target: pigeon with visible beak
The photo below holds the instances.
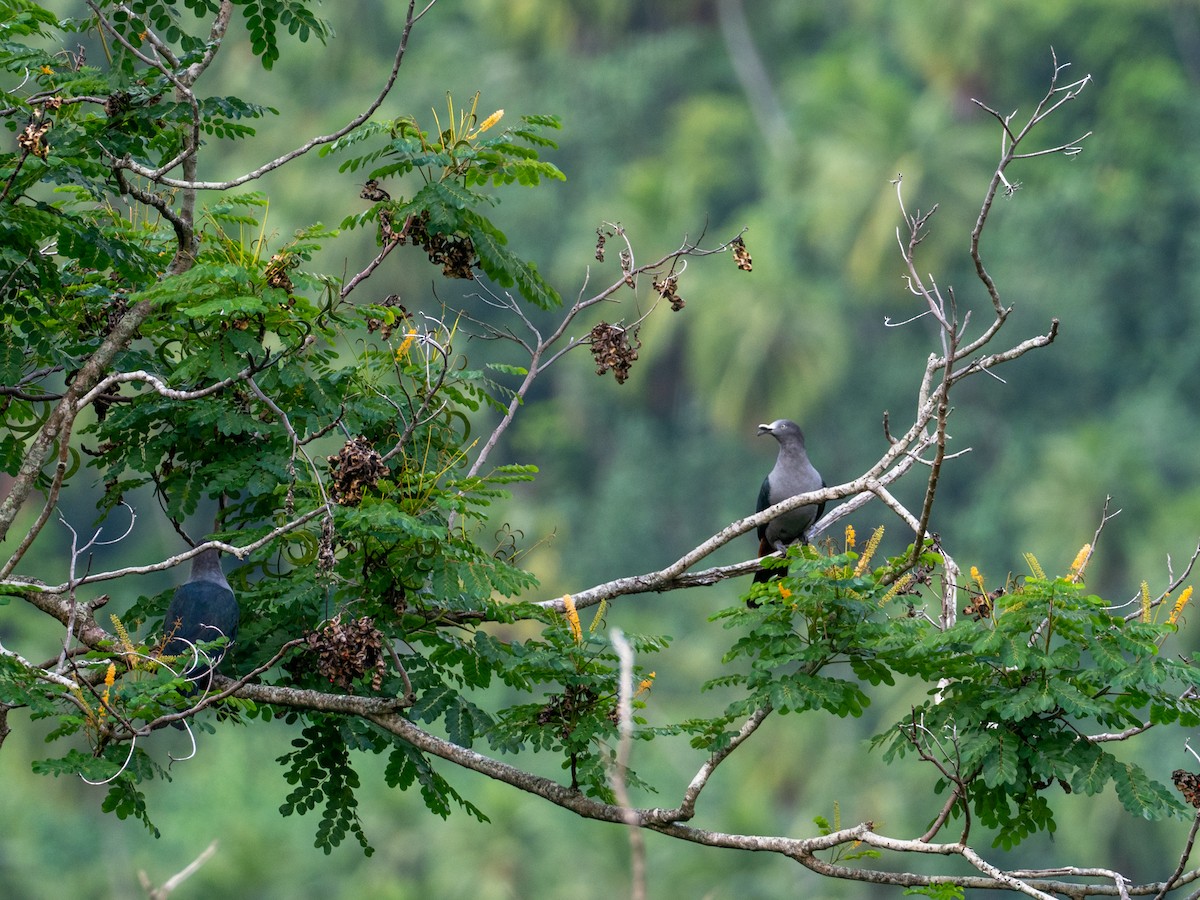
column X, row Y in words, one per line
column 793, row 474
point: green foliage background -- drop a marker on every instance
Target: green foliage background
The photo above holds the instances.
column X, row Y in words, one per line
column 661, row 136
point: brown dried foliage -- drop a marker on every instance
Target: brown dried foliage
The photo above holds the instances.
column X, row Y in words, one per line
column 346, row 651
column 357, row 467
column 611, row 349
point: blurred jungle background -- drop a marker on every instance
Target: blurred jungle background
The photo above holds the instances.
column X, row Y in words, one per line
column 792, row 119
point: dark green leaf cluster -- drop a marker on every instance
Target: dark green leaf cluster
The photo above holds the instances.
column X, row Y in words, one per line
column 408, row 766
column 241, row 395
column 123, row 798
column 264, row 16
column 441, row 215
column 1015, row 695
column 262, row 19
column 822, row 613
column 575, row 713
column 320, row 768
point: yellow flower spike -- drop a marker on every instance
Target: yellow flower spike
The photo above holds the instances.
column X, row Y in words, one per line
column 784, row 592
column 898, row 585
column 88, row 713
column 488, row 123
column 850, row 537
column 573, row 618
column 1080, row 563
column 644, row 685
column 405, row 345
column 1145, row 602
column 110, row 678
column 599, row 617
column 869, row 551
column 978, row 579
column 123, row 639
column 1034, row 566
column 1180, row 604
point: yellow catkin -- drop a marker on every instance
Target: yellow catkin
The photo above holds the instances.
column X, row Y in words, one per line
column 1145, row 602
column 1034, row 566
column 1180, row 604
column 110, row 678
column 869, row 551
column 406, row 344
column 978, row 579
column 898, row 585
column 645, row 684
column 1080, row 563
column 850, row 537
column 489, row 122
column 573, row 618
column 88, row 712
column 599, row 616
column 123, row 639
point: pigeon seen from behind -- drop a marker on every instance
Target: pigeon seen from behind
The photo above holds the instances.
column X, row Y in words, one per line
column 202, row 610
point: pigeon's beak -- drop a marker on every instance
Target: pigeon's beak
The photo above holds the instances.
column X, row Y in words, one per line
column 764, row 429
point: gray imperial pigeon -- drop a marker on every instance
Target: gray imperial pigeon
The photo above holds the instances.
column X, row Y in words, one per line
column 793, row 474
column 202, row 610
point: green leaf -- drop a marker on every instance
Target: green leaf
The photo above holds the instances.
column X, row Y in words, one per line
column 1095, row 769
column 432, row 703
column 225, row 306
column 519, row 371
column 1141, row 795
column 504, row 267
column 871, row 671
column 1000, row 763
column 800, row 692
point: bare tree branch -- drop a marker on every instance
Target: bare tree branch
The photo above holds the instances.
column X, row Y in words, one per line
column 158, row 175
column 168, row 886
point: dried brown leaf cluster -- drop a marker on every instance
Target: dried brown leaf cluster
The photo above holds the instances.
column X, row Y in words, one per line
column 611, row 349
column 356, row 467
column 346, row 651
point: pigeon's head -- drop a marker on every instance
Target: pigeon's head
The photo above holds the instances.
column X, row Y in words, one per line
column 782, row 429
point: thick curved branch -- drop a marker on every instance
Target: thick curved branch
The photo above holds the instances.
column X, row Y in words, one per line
column 544, row 788
column 160, row 387
column 803, row 850
column 294, row 698
column 900, row 456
